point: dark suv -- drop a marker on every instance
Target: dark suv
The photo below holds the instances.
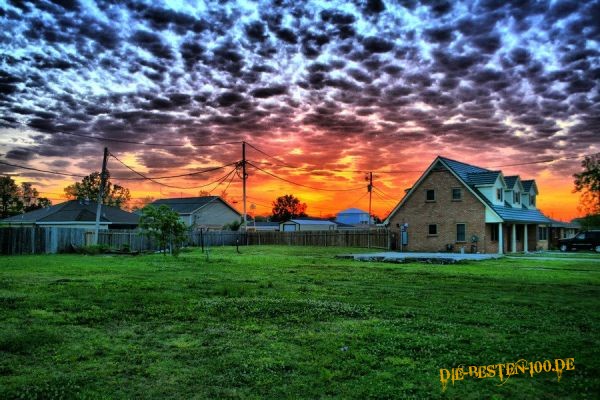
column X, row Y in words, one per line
column 586, row 240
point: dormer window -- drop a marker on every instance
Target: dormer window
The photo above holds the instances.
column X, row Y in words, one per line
column 532, row 200
column 517, row 198
column 499, row 194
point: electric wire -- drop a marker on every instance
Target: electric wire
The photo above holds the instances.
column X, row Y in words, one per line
column 302, row 185
column 164, row 184
column 210, row 169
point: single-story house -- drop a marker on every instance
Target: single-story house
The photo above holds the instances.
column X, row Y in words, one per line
column 208, row 212
column 456, row 206
column 75, row 214
column 353, row 216
column 294, row 225
column 262, row 226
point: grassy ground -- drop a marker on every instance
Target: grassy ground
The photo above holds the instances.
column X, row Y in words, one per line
column 568, row 254
column 290, row 322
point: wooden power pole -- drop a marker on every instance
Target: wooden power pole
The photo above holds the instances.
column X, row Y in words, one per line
column 244, row 176
column 100, row 195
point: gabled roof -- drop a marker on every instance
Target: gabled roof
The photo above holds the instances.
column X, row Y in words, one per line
column 482, row 178
column 75, row 211
column 528, row 184
column 311, row 222
column 512, row 180
column 352, row 211
column 470, row 175
column 188, row 205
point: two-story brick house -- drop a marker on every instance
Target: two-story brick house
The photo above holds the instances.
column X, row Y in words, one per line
column 455, row 206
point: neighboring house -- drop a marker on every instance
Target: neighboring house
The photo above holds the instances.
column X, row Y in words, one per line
column 455, row 206
column 208, row 212
column 265, row 226
column 75, row 214
column 353, row 216
column 307, row 225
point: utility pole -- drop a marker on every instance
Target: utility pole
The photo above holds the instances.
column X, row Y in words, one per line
column 100, row 195
column 244, row 177
column 370, row 189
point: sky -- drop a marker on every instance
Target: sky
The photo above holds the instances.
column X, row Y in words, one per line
column 322, row 91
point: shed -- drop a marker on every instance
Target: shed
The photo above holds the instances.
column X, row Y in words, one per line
column 295, row 225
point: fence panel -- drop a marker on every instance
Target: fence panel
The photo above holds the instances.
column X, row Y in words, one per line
column 28, row 240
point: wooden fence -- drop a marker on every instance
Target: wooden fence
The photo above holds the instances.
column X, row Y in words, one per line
column 363, row 238
column 61, row 240
column 37, row 240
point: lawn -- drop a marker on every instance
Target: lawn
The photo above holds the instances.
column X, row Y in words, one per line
column 291, row 322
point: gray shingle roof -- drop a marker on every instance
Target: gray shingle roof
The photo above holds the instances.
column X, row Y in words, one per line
column 463, row 170
column 471, row 174
column 510, row 181
column 74, row 211
column 528, row 184
column 482, row 178
column 510, row 214
column 187, row 205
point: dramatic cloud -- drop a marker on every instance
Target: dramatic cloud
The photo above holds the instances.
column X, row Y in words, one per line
column 360, row 83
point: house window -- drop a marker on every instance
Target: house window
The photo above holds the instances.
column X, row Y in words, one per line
column 517, row 198
column 532, row 201
column 499, row 193
column 432, row 230
column 461, row 232
column 494, row 236
column 456, row 194
column 542, row 233
column 430, row 195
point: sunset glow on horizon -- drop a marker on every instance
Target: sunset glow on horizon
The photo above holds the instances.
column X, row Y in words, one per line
column 322, row 92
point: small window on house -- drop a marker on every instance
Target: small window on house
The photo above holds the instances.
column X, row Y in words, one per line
column 532, row 200
column 542, row 233
column 432, row 230
column 494, row 235
column 430, row 195
column 499, row 193
column 461, row 232
column 456, row 194
column 517, row 198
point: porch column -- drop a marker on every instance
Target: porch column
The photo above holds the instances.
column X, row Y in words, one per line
column 525, row 247
column 513, row 239
column 500, row 238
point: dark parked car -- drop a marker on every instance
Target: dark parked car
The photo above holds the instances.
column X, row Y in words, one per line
column 586, row 240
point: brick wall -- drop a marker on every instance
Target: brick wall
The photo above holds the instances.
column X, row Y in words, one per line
column 444, row 212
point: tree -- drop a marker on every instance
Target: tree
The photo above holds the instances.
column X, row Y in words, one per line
column 164, row 225
column 10, row 201
column 587, row 183
column 287, row 207
column 89, row 187
column 31, row 198
column 15, row 199
column 141, row 203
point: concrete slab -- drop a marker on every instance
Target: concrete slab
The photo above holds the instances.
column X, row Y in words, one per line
column 434, row 258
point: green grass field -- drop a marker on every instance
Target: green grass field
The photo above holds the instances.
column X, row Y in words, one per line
column 291, row 322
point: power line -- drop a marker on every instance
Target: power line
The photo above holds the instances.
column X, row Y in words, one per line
column 164, row 184
column 42, row 170
column 306, row 186
column 538, row 162
column 180, row 175
column 385, row 194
